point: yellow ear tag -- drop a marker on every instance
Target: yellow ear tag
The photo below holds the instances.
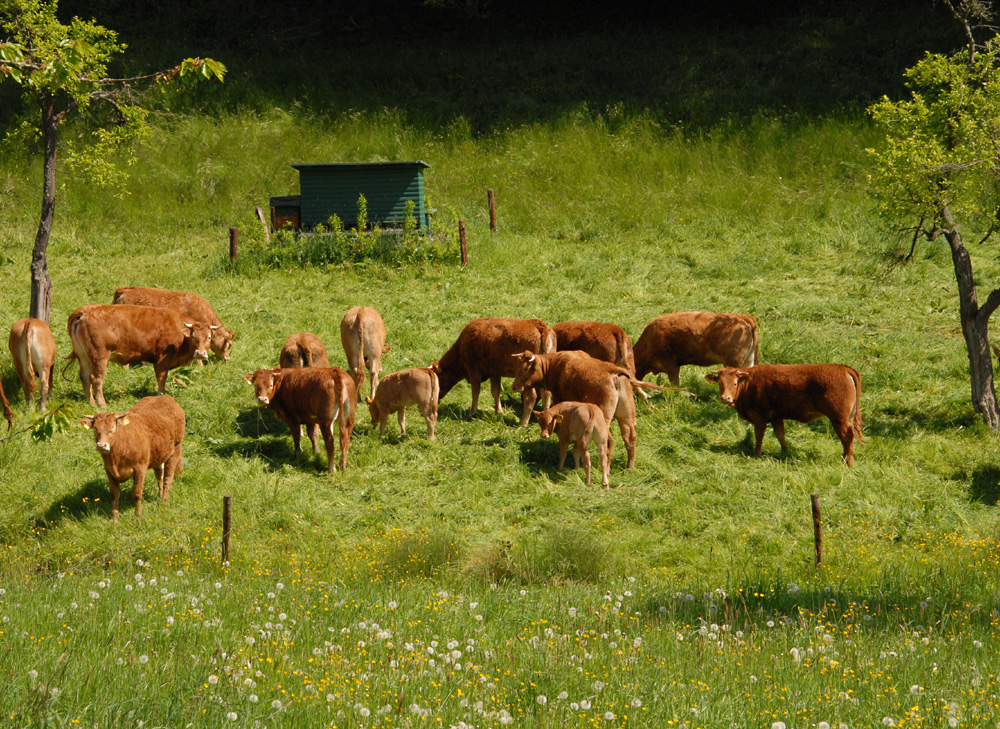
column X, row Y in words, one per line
column 124, row 421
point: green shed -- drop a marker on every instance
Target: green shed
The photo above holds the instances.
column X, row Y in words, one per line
column 328, row 189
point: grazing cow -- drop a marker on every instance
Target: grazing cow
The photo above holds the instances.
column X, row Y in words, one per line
column 147, row 435
column 804, row 392
column 577, row 377
column 7, row 414
column 127, row 334
column 33, row 348
column 607, row 342
column 696, row 338
column 582, row 424
column 362, row 332
column 303, row 350
column 417, row 386
column 484, row 350
column 192, row 305
column 307, row 396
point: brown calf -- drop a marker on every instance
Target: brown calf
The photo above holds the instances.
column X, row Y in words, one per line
column 362, row 332
column 696, row 338
column 485, row 349
column 607, row 342
column 126, row 335
column 307, row 396
column 582, row 424
column 804, row 392
column 303, row 350
column 577, row 377
column 192, row 305
column 417, row 386
column 147, row 435
column 33, row 348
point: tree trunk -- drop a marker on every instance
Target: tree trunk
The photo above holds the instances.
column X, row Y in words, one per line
column 974, row 328
column 41, row 282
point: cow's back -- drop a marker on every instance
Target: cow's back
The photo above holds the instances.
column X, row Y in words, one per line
column 698, row 338
column 155, row 428
column 799, row 391
column 193, row 305
column 488, row 346
column 303, row 350
column 312, row 394
column 600, row 340
column 130, row 332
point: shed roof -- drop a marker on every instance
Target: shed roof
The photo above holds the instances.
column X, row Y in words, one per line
column 312, row 165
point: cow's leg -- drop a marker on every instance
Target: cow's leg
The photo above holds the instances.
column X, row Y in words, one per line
column 296, row 429
column 160, row 472
column 116, row 492
column 582, row 453
column 604, row 453
column 475, row 383
column 429, row 411
column 346, row 426
column 401, row 416
column 331, row 446
column 845, row 432
column 529, row 396
column 759, row 427
column 86, row 379
column 170, row 469
column 45, row 385
column 496, row 391
column 673, row 371
column 563, row 449
column 97, row 376
column 383, row 419
column 629, row 436
column 314, row 436
column 138, row 478
column 779, row 431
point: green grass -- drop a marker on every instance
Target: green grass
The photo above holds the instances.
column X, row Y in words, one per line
column 684, row 588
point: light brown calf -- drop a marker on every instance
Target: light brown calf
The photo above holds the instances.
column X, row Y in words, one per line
column 417, row 386
column 129, row 334
column 804, row 392
column 147, row 435
column 581, row 424
column 192, row 305
column 362, row 332
column 33, row 348
column 696, row 338
column 307, row 396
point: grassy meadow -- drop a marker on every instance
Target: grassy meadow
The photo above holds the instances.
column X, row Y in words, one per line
column 466, row 582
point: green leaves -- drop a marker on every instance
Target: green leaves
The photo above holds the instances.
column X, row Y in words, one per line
column 50, row 423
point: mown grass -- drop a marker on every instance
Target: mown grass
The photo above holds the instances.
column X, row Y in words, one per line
column 701, row 558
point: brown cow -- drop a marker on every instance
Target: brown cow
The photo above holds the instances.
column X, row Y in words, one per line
column 417, row 386
column 303, row 350
column 577, row 377
column 310, row 395
column 804, row 392
column 190, row 304
column 696, row 338
column 147, row 435
column 607, row 342
column 126, row 335
column 484, row 350
column 582, row 424
column 362, row 332
column 33, row 348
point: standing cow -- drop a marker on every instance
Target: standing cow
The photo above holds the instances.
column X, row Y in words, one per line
column 600, row 340
column 148, row 435
column 804, row 392
column 129, row 334
column 398, row 390
column 696, row 338
column 33, row 348
column 192, row 305
column 485, row 350
column 303, row 350
column 362, row 332
column 581, row 424
column 308, row 396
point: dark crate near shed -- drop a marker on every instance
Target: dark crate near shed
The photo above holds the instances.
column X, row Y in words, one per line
column 328, row 189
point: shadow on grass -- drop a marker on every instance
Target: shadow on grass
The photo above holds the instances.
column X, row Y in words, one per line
column 263, row 436
column 900, row 422
column 94, row 497
column 984, row 485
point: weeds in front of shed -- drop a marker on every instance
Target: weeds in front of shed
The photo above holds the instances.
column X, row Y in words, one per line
column 333, row 244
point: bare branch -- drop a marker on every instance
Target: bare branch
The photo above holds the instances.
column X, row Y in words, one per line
column 991, row 304
column 916, row 234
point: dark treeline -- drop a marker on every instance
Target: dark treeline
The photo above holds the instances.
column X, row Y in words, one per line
column 499, row 62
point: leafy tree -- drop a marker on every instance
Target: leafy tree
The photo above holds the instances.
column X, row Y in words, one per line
column 64, row 69
column 939, row 174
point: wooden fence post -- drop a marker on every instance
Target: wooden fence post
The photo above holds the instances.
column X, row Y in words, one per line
column 263, row 223
column 463, row 243
column 234, row 235
column 817, row 529
column 493, row 209
column 227, row 521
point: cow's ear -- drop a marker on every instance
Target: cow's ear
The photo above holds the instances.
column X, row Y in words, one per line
column 559, row 418
column 87, row 421
column 537, row 413
column 122, row 419
column 712, row 377
column 248, row 377
column 742, row 375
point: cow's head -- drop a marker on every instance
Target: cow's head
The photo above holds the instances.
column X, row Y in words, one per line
column 201, row 337
column 373, row 409
column 222, row 341
column 265, row 383
column 528, row 370
column 729, row 379
column 548, row 421
column 104, row 426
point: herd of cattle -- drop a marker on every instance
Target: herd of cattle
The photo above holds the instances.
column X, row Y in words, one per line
column 589, row 369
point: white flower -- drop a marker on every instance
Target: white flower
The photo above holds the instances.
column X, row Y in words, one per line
column 218, row 585
column 609, row 716
column 888, row 721
column 770, row 624
column 282, row 617
column 32, row 674
column 585, row 705
column 572, row 612
column 54, row 692
column 823, row 725
column 778, row 725
column 914, row 689
column 213, row 680
column 574, row 706
column 977, row 643
column 598, row 685
column 364, row 711
column 143, row 659
column 952, row 721
column 253, row 699
column 249, row 640
column 542, row 700
column 95, row 595
column 636, row 703
column 231, row 716
column 753, row 679
column 170, row 620
column 276, row 704
column 393, row 605
column 280, row 586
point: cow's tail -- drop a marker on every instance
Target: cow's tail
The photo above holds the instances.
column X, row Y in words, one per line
column 73, row 325
column 119, row 296
column 627, row 355
column 756, row 343
column 856, row 419
column 24, row 355
column 549, row 341
column 435, row 384
column 304, row 359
